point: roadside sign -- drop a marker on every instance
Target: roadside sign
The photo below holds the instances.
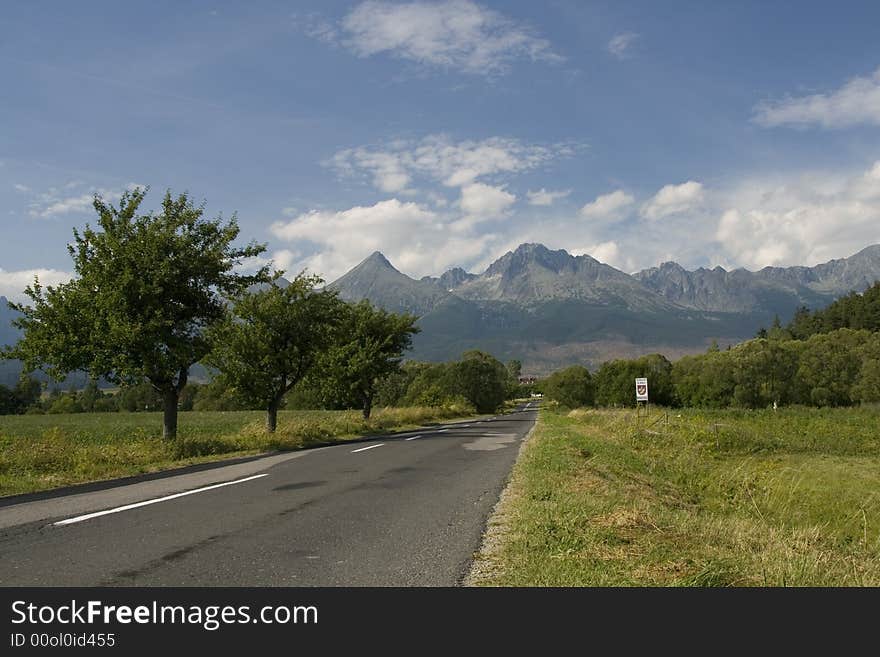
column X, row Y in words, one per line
column 641, row 390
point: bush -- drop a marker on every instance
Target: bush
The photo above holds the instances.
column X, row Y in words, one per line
column 572, row 387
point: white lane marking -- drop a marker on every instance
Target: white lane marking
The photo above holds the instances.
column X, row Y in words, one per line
column 414, row 437
column 97, row 514
column 442, row 430
column 364, row 449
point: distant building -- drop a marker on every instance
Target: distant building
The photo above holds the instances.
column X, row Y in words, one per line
column 527, row 379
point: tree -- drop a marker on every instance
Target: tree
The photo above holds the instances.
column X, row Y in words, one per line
column 147, row 287
column 369, row 345
column 482, row 380
column 572, row 387
column 272, row 339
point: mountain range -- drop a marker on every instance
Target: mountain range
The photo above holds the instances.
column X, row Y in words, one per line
column 550, row 308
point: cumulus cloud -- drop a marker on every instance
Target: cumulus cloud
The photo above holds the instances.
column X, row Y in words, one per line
column 608, row 206
column 440, row 159
column 416, row 239
column 544, row 197
column 856, row 103
column 806, row 219
column 21, row 188
column 607, row 252
column 13, row 283
column 620, row 43
column 673, row 199
column 483, row 201
column 454, row 34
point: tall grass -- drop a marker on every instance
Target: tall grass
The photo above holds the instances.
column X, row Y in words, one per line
column 38, row 452
column 695, row 498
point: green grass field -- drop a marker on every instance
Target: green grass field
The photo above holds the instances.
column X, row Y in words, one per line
column 38, row 452
column 719, row 498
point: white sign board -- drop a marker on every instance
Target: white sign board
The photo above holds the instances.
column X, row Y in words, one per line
column 641, row 390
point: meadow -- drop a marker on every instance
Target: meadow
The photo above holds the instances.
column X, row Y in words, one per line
column 39, row 452
column 692, row 498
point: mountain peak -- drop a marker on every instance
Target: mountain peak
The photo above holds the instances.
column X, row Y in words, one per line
column 377, row 258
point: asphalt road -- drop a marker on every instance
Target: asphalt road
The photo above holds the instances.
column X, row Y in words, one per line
column 405, row 510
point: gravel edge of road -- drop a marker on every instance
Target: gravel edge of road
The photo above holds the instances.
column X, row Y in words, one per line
column 485, row 562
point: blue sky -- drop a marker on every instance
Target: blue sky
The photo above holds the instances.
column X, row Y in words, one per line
column 446, row 133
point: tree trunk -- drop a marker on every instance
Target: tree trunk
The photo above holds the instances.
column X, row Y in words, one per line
column 368, row 406
column 169, row 421
column 272, row 417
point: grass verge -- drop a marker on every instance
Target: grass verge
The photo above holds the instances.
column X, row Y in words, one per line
column 721, row 498
column 38, row 452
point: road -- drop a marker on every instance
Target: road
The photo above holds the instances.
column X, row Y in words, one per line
column 402, row 510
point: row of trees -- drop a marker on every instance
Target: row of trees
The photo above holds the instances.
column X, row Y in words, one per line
column 156, row 293
column 476, row 382
column 839, row 368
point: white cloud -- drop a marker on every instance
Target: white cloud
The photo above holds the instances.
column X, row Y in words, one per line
column 607, row 252
column 673, row 199
column 453, row 34
column 442, row 160
column 544, row 197
column 21, row 188
column 608, row 206
column 483, row 201
column 79, row 204
column 620, row 43
column 13, row 283
column 417, row 240
column 801, row 220
column 54, row 202
column 856, row 103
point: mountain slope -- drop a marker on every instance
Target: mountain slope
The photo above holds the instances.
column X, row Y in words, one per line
column 549, row 308
column 377, row 280
column 533, row 274
column 777, row 290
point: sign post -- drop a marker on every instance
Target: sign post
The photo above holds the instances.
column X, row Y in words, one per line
column 641, row 392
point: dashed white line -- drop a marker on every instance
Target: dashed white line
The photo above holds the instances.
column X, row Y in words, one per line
column 127, row 507
column 442, row 430
column 364, row 449
column 413, row 437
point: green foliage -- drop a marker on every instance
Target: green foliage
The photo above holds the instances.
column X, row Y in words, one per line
column 615, row 381
column 369, row 345
column 853, row 311
column 217, row 396
column 138, row 397
column 272, row 339
column 572, row 387
column 478, row 380
column 827, row 369
column 146, row 288
column 482, row 380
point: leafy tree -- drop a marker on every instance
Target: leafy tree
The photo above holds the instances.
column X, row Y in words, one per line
column 514, row 368
column 8, row 401
column 829, row 367
column 369, row 345
column 27, row 392
column 272, row 339
column 572, row 387
column 481, row 379
column 392, row 388
column 146, row 288
column 217, row 396
column 615, row 381
column 138, row 397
